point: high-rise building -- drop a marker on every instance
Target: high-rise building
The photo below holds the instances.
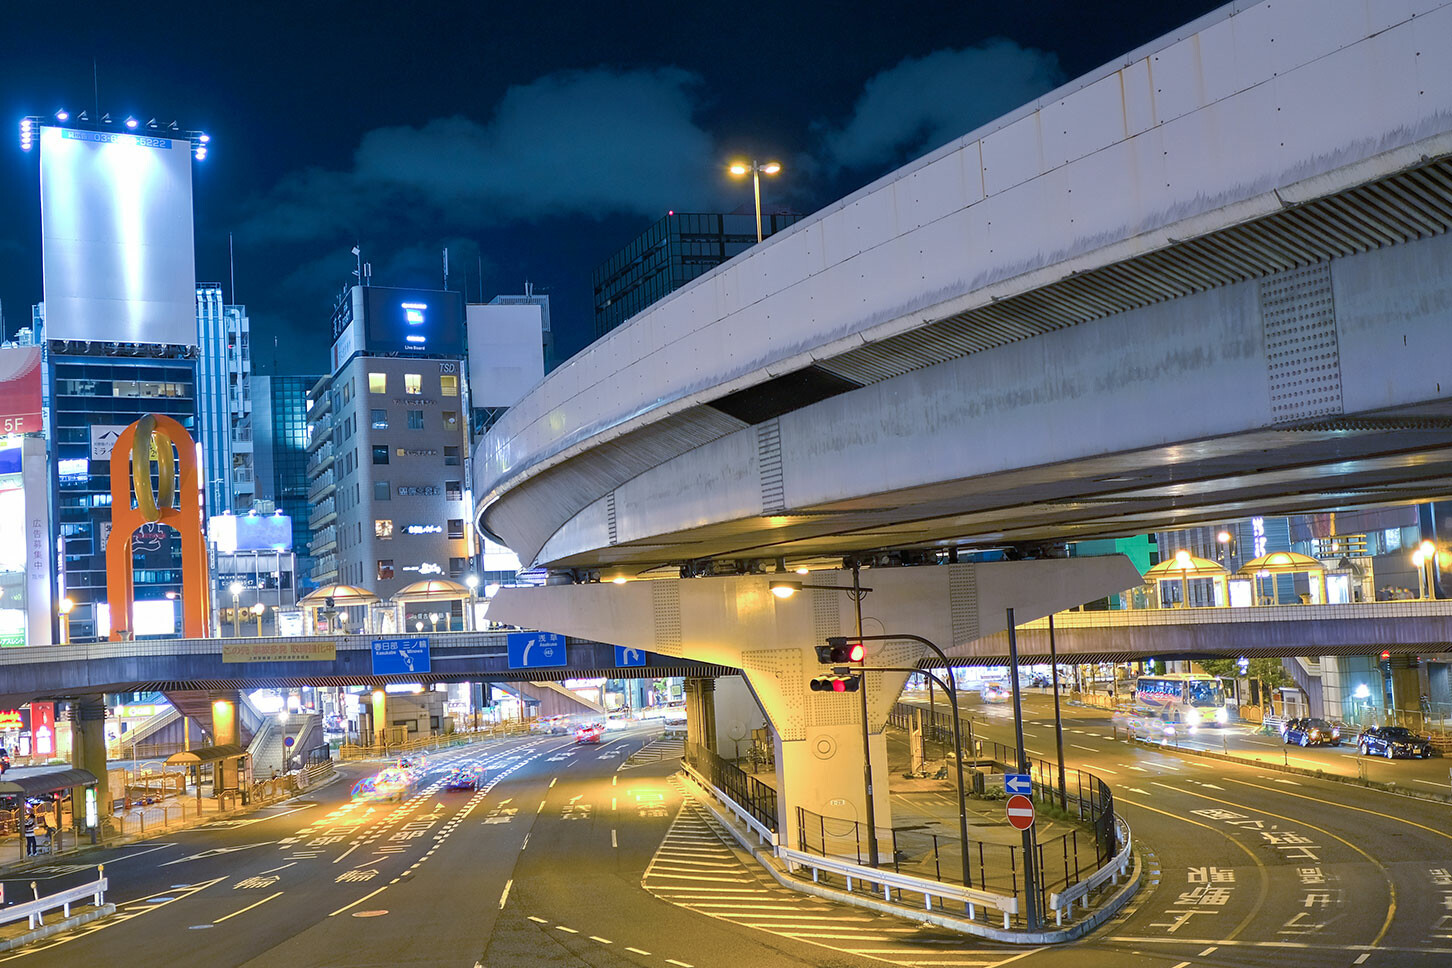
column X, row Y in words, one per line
column 224, row 402
column 669, row 254
column 542, row 300
column 388, row 439
column 280, row 460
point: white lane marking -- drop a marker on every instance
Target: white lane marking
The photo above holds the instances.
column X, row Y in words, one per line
column 276, row 869
column 595, row 937
column 1291, row 782
column 1429, row 783
column 1034, row 752
column 1207, row 951
column 613, row 779
column 247, row 908
column 553, row 781
column 614, row 844
column 561, row 927
column 1183, row 964
column 1085, row 748
column 683, row 964
column 613, row 803
column 505, row 896
column 348, row 851
column 540, row 808
column 360, row 900
column 1361, row 958
column 1105, row 769
column 638, row 951
column 538, row 920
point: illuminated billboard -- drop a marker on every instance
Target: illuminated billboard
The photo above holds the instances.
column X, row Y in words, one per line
column 506, row 353
column 231, row 533
column 116, row 237
column 423, row 321
column 20, row 390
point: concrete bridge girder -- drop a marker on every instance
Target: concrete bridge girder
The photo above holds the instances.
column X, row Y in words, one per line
column 738, row 622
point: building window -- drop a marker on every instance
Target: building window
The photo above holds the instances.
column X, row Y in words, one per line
column 378, row 383
column 453, row 490
column 415, row 420
column 412, row 383
column 457, row 566
column 380, row 419
column 385, row 569
column 380, row 491
column 382, row 527
column 451, row 420
column 451, row 457
column 380, row 454
column 456, row 527
column 449, row 385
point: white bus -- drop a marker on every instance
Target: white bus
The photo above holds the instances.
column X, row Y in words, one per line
column 1194, row 699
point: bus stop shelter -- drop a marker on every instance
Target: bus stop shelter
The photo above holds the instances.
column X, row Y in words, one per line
column 44, row 785
column 229, row 768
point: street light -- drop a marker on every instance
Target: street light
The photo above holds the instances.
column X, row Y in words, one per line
column 756, row 169
column 236, row 589
column 1424, row 558
column 64, row 606
column 473, row 582
column 434, row 620
column 258, row 611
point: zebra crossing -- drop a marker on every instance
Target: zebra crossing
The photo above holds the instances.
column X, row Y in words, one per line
column 696, row 867
column 662, row 748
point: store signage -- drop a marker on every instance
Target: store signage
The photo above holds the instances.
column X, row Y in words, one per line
column 421, row 490
column 11, row 719
column 42, row 727
column 427, row 568
column 138, row 711
column 423, row 529
column 280, row 651
column 103, row 440
column 427, row 452
column 1257, row 531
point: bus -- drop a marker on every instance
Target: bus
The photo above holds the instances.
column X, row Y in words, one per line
column 1194, row 699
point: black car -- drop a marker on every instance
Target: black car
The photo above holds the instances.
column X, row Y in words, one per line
column 1311, row 731
column 1392, row 741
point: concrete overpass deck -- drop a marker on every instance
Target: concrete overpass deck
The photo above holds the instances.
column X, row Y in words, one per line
column 171, row 665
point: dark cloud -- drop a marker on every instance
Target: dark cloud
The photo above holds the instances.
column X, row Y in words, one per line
column 924, row 102
column 590, row 143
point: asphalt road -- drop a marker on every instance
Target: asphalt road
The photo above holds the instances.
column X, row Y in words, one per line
column 577, row 856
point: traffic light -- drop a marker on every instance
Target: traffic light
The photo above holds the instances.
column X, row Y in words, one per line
column 838, row 651
column 847, row 683
column 1386, row 663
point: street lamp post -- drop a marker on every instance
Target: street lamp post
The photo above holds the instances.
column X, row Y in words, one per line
column 756, row 169
column 236, row 589
column 434, row 621
column 950, row 686
column 258, row 610
column 64, row 606
column 470, row 622
column 1424, row 557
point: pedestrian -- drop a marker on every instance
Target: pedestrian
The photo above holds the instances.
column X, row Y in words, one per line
column 30, row 832
column 4, row 762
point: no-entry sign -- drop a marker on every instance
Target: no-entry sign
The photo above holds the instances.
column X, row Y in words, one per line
column 1021, row 812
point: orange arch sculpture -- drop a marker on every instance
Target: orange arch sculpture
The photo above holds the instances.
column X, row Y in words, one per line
column 134, row 503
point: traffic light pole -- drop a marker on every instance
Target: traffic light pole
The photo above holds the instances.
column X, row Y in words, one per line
column 1058, row 721
column 1030, row 874
column 872, row 858
column 950, row 686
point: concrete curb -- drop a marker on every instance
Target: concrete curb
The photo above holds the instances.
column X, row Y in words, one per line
column 56, row 927
column 1390, row 788
column 940, row 919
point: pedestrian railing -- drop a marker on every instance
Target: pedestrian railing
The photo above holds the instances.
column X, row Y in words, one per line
column 750, row 795
column 1061, row 902
column 933, row 892
column 764, row 834
column 34, row 910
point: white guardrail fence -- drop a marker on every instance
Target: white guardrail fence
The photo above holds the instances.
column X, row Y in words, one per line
column 1064, row 900
column 33, row 910
column 766, row 835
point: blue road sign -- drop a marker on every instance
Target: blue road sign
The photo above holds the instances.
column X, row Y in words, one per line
column 624, row 658
column 400, row 657
column 1018, row 783
column 536, row 650
column 288, row 741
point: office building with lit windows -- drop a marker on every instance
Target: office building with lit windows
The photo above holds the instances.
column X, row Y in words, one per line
column 224, row 402
column 280, row 438
column 669, row 254
column 388, row 437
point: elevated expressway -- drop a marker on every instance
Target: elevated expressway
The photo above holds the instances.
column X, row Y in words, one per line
column 1207, row 280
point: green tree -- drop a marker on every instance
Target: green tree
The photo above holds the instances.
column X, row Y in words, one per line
column 1270, row 671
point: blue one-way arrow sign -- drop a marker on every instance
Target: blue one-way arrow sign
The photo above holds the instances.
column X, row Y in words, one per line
column 1018, row 783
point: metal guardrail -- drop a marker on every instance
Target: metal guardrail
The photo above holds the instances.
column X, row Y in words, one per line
column 764, row 833
column 34, row 910
column 889, row 881
column 349, row 752
column 1063, row 901
column 745, row 791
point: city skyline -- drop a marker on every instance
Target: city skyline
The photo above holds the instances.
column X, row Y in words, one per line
column 537, row 168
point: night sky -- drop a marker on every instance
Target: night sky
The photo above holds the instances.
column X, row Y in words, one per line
column 538, row 138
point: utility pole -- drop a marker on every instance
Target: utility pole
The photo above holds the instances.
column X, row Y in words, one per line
column 1058, row 722
column 872, row 858
column 1030, row 873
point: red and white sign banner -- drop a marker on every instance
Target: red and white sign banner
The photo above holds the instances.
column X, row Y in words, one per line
column 20, row 401
column 1020, row 812
column 42, row 728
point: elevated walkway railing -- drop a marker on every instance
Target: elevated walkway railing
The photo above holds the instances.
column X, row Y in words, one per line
column 1222, row 615
column 750, row 795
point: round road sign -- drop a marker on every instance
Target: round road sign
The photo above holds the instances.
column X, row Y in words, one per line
column 1020, row 811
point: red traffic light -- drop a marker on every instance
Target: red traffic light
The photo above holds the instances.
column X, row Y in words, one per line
column 838, row 685
column 856, row 652
column 1385, row 654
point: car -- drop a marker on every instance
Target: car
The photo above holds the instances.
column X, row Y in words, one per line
column 1311, row 731
column 994, row 692
column 463, row 778
column 590, row 733
column 1392, row 741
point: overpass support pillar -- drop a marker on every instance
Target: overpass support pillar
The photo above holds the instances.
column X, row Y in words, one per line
column 1406, row 685
column 88, row 745
column 226, row 731
column 701, row 712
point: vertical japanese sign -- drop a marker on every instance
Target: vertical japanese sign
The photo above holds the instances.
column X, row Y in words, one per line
column 42, row 728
